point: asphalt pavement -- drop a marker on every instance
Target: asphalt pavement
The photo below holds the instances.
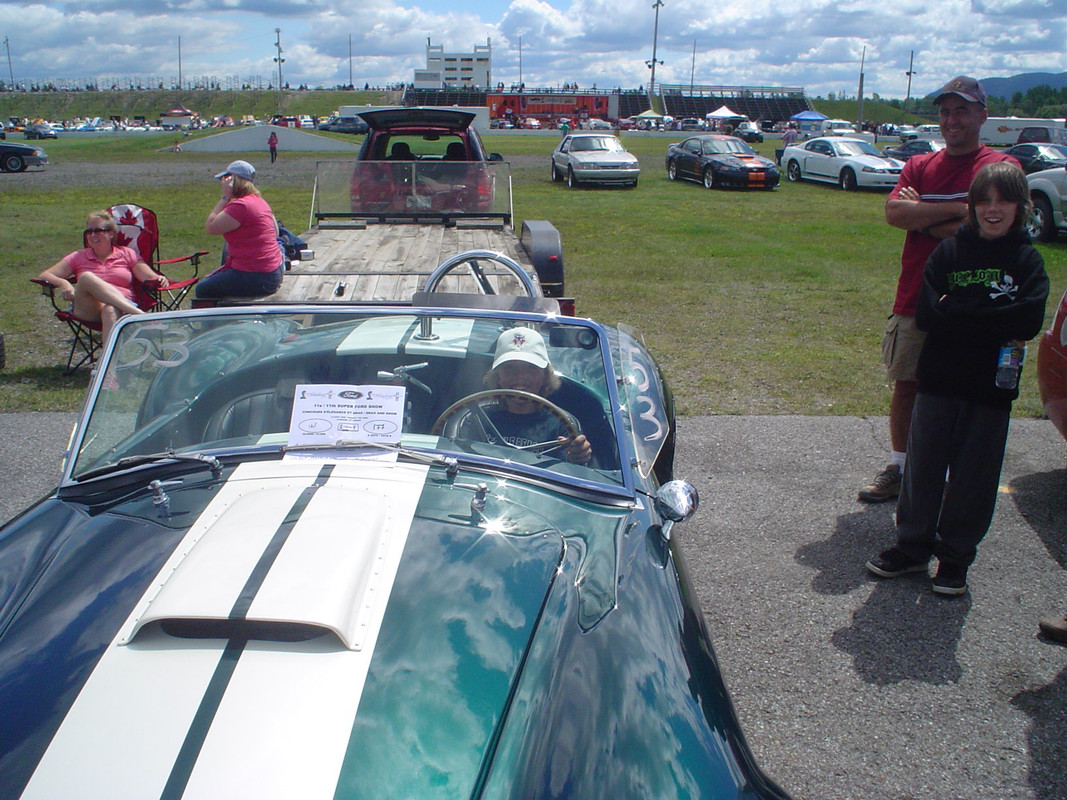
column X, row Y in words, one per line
column 848, row 687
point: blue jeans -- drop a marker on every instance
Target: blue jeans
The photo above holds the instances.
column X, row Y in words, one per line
column 225, row 282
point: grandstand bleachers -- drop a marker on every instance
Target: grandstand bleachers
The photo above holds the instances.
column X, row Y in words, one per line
column 444, row 97
column 769, row 104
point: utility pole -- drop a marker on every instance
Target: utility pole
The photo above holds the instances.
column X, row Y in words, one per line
column 10, row 73
column 279, row 60
column 652, row 64
column 179, row 63
column 693, row 67
column 350, row 84
column 910, row 72
column 859, row 110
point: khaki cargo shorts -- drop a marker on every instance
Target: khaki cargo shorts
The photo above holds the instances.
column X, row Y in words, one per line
column 901, row 345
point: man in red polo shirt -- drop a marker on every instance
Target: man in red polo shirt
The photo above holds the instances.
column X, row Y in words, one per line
column 929, row 202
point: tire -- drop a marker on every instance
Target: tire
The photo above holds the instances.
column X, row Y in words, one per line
column 1041, row 226
column 12, row 163
column 672, row 170
column 572, row 182
column 847, row 180
column 708, row 178
column 3, row 352
column 555, row 173
column 633, row 185
column 792, row 172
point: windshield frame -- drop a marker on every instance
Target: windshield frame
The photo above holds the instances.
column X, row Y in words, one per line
column 604, row 358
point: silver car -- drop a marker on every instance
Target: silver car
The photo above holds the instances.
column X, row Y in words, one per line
column 594, row 158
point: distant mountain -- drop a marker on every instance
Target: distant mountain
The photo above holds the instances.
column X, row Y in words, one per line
column 1006, row 87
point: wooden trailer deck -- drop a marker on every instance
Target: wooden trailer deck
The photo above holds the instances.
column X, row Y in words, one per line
column 354, row 262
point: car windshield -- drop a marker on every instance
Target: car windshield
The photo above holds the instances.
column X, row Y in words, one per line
column 728, row 146
column 609, row 143
column 232, row 382
column 856, row 148
column 1054, row 152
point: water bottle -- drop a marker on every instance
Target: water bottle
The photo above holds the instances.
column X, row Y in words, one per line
column 1009, row 362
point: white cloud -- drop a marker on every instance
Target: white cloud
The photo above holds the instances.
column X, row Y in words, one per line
column 817, row 45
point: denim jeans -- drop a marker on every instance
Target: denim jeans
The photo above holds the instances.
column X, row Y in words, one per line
column 225, row 282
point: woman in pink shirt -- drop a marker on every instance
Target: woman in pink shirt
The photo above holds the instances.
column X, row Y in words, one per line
column 99, row 279
column 254, row 264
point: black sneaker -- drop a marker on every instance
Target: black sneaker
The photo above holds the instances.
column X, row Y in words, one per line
column 885, row 486
column 951, row 579
column 893, row 563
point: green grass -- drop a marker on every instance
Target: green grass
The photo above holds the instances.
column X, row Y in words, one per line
column 150, row 103
column 754, row 302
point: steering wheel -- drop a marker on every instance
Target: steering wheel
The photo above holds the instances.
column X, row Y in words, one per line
column 472, row 258
column 452, row 418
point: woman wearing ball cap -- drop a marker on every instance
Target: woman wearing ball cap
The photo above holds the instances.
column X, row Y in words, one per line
column 254, row 265
column 520, row 362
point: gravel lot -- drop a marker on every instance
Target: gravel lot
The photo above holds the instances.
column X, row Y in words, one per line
column 292, row 169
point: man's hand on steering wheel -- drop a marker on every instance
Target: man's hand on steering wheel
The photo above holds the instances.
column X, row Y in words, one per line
column 579, row 451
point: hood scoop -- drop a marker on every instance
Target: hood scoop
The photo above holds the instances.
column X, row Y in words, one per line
column 271, row 563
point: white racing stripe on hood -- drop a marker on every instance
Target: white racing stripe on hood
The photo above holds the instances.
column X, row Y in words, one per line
column 281, row 727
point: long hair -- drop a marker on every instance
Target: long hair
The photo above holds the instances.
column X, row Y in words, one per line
column 243, row 186
column 1009, row 182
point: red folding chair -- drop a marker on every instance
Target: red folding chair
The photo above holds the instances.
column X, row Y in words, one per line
column 138, row 229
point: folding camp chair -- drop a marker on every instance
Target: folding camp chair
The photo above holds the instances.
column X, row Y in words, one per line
column 138, row 230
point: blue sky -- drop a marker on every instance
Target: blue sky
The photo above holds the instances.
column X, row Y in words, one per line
column 815, row 44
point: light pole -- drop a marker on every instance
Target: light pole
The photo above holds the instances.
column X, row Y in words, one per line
column 652, row 64
column 279, row 60
column 10, row 72
column 909, row 73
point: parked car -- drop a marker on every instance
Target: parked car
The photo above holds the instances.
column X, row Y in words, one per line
column 353, row 125
column 691, row 124
column 925, row 131
column 594, row 158
column 720, row 161
column 1052, row 369
column 15, row 157
column 1054, row 134
column 1048, row 190
column 850, row 163
column 913, row 147
column 594, row 124
column 749, row 132
column 39, row 130
column 836, row 127
column 1036, row 157
column 285, row 559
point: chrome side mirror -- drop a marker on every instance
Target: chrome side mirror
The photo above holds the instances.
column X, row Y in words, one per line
column 675, row 501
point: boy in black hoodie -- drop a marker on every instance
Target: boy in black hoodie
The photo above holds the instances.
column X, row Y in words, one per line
column 983, row 290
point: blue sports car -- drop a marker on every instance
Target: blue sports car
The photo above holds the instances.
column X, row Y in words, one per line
column 296, row 552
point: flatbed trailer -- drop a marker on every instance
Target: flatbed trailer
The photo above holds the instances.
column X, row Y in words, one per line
column 382, row 246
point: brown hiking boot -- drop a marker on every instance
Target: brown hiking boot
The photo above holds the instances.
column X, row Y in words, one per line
column 885, row 486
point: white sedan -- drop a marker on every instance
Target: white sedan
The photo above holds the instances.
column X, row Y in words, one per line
column 594, row 158
column 850, row 163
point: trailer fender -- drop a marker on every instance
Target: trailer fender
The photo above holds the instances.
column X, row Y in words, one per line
column 541, row 241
